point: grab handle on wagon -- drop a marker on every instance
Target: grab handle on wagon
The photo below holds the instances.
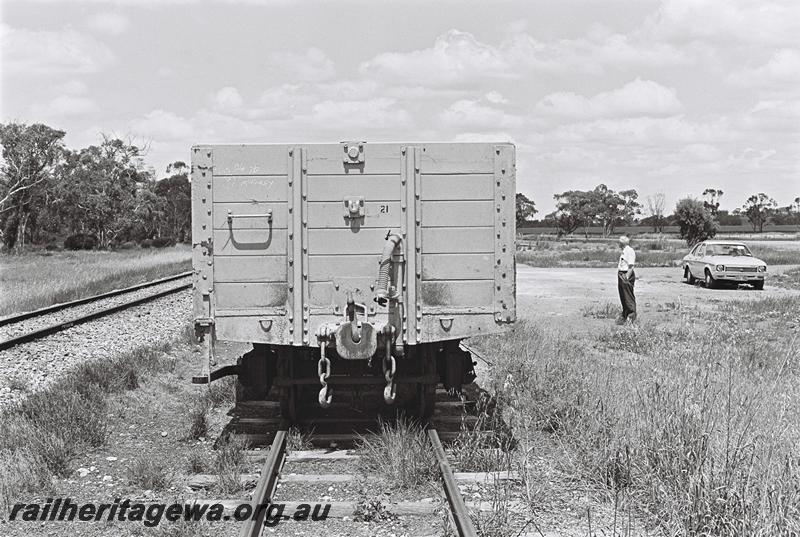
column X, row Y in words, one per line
column 267, row 215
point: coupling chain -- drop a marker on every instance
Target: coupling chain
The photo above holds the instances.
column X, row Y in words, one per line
column 389, row 368
column 324, row 371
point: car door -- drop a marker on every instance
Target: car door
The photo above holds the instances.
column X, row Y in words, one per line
column 698, row 263
column 687, row 260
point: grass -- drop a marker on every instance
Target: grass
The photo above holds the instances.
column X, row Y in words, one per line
column 47, row 430
column 607, row 310
column 298, row 440
column 35, row 280
column 400, row 453
column 230, row 458
column 196, row 462
column 656, row 251
column 150, row 474
column 198, row 420
column 694, row 423
column 485, row 446
column 789, row 279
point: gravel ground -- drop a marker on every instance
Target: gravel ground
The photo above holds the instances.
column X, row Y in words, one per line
column 36, row 323
column 30, row 366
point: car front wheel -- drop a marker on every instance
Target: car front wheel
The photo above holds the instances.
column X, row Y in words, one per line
column 687, row 274
column 711, row 283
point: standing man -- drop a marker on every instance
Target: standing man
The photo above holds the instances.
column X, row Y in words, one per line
column 625, row 280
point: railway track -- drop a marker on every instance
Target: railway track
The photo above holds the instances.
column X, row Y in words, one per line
column 288, row 476
column 37, row 324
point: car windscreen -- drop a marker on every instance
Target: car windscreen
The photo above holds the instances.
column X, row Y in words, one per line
column 739, row 250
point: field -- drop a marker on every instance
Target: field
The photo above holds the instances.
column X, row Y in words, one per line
column 658, row 251
column 687, row 423
column 34, row 280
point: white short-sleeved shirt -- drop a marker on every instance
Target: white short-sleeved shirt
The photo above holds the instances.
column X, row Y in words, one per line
column 627, row 259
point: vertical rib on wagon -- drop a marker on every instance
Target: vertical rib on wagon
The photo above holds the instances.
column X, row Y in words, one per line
column 203, row 254
column 505, row 234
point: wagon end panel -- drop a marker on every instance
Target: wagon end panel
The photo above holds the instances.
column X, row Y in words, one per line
column 466, row 276
column 247, row 219
column 285, row 236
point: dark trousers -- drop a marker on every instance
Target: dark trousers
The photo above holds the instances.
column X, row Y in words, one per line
column 626, row 296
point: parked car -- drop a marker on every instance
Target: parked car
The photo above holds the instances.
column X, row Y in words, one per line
column 721, row 261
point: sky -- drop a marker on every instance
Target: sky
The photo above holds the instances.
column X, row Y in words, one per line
column 667, row 96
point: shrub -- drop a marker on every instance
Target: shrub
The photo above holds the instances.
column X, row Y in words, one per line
column 161, row 242
column 695, row 221
column 197, row 462
column 229, row 461
column 53, row 247
column 81, row 241
column 150, row 473
column 129, row 245
column 400, row 452
column 198, row 416
column 146, row 243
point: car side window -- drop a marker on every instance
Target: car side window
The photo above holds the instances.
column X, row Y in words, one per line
column 701, row 250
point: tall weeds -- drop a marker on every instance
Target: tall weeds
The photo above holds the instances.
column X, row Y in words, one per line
column 400, row 452
column 42, row 435
column 683, row 421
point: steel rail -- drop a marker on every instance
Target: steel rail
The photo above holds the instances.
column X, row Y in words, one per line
column 266, row 486
column 58, row 307
column 461, row 518
column 58, row 327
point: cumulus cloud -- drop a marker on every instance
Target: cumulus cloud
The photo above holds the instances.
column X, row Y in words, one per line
column 46, row 52
column 310, row 66
column 455, row 57
column 227, row 98
column 315, row 122
column 108, row 23
column 495, row 97
column 642, row 131
column 470, row 113
column 72, row 87
column 775, row 23
column 458, row 58
column 487, row 137
column 373, row 113
column 778, row 116
column 782, row 71
column 636, row 98
column 163, row 125
column 64, row 105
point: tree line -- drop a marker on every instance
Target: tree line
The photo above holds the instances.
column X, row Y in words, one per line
column 607, row 209
column 98, row 196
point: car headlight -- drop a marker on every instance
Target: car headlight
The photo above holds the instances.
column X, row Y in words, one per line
column 762, row 268
column 720, row 268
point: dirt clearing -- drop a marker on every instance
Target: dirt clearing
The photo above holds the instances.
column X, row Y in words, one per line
column 568, row 292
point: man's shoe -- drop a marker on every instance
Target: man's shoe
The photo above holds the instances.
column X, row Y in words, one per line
column 620, row 320
column 632, row 318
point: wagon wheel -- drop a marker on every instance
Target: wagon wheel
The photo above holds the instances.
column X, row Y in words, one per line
column 289, row 403
column 426, row 392
column 288, row 397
